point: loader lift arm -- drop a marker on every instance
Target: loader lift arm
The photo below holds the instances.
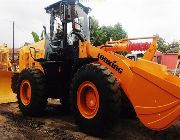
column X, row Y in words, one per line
column 126, row 45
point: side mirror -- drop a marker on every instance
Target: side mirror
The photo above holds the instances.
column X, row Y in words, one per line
column 45, row 33
column 44, row 27
column 90, row 20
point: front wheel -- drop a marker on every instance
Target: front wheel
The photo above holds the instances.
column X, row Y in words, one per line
column 31, row 94
column 96, row 98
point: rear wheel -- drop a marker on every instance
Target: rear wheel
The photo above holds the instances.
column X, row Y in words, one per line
column 25, row 92
column 14, row 83
column 96, row 98
column 31, row 95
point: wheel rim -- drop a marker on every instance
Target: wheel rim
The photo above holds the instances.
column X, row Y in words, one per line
column 25, row 92
column 88, row 100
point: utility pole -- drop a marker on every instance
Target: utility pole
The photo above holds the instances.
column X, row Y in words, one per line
column 13, row 45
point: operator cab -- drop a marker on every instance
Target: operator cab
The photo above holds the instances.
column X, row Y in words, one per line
column 69, row 23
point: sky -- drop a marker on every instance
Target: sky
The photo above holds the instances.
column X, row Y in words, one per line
column 139, row 18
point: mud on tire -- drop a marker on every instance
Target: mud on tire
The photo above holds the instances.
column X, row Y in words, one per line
column 109, row 98
column 14, row 82
column 35, row 104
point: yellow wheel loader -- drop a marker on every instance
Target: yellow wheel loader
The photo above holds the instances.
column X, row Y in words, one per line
column 6, row 94
column 94, row 82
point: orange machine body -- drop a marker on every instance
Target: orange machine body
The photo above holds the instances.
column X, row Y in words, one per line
column 153, row 92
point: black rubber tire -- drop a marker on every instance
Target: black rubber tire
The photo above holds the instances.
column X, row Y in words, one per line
column 65, row 101
column 127, row 108
column 14, row 82
column 38, row 99
column 109, row 97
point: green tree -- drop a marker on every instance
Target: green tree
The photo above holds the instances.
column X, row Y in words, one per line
column 117, row 32
column 167, row 47
column 173, row 47
column 162, row 44
column 35, row 37
column 100, row 35
column 174, row 44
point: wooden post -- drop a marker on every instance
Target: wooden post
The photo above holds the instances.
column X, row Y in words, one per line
column 13, row 45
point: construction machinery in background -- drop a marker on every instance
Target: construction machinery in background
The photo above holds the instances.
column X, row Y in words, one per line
column 6, row 94
column 5, row 64
column 95, row 82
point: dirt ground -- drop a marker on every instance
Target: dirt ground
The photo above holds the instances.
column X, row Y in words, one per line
column 58, row 125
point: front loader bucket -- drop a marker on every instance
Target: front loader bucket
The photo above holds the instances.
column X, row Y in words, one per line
column 6, row 94
column 155, row 95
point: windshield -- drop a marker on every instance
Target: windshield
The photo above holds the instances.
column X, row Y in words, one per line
column 83, row 21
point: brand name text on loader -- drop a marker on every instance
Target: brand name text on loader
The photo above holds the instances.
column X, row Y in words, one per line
column 110, row 63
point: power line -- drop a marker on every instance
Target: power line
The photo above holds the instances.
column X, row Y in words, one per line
column 21, row 29
column 17, row 26
column 6, row 20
